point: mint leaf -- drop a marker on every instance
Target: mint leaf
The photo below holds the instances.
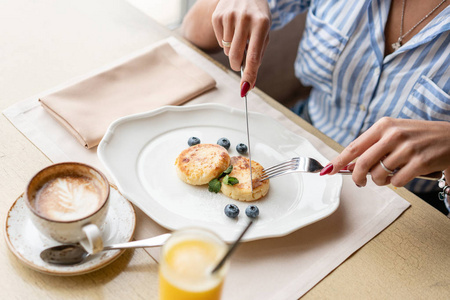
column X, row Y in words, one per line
column 230, row 180
column 214, row 186
column 227, row 171
column 233, row 180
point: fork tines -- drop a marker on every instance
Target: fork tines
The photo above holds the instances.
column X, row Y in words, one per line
column 280, row 169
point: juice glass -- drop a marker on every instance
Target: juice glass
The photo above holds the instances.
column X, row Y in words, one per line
column 187, row 260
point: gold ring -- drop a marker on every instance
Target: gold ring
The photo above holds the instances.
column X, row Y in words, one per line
column 226, row 44
column 385, row 168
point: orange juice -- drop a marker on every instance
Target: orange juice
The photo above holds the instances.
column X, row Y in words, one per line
column 188, row 258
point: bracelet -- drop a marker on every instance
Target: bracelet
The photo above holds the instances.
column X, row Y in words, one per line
column 445, row 194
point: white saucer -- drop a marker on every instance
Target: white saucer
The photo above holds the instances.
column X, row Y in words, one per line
column 26, row 242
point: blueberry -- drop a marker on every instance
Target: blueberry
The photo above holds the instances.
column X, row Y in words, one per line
column 224, row 142
column 231, row 210
column 252, row 211
column 241, row 148
column 193, row 141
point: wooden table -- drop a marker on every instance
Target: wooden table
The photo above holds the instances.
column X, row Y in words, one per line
column 44, row 43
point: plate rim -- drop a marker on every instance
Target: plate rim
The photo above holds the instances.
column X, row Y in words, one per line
column 214, row 106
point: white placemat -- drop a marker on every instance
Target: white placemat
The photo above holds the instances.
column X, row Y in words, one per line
column 280, row 268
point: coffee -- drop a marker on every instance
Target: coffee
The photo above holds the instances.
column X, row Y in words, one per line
column 68, row 202
column 67, row 192
column 68, row 198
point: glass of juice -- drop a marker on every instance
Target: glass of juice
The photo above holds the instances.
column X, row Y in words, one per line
column 187, row 260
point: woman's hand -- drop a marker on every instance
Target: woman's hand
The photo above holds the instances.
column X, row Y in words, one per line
column 411, row 147
column 240, row 22
column 243, row 24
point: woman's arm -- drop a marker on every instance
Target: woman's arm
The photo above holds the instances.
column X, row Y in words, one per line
column 197, row 25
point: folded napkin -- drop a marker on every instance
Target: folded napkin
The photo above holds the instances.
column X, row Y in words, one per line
column 158, row 77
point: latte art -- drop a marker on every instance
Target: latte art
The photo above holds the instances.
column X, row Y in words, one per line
column 68, row 198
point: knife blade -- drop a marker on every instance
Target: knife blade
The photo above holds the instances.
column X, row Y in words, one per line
column 248, row 131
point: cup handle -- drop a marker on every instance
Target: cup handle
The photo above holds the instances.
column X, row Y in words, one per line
column 93, row 242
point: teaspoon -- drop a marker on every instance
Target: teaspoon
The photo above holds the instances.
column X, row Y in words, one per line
column 71, row 254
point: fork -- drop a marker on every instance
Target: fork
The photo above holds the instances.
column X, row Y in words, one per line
column 294, row 165
column 311, row 165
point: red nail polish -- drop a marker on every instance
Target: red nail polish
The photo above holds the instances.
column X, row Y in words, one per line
column 326, row 170
column 244, row 88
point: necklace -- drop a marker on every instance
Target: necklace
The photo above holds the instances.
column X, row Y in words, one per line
column 398, row 44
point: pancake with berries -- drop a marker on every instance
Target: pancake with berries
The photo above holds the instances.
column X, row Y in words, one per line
column 242, row 191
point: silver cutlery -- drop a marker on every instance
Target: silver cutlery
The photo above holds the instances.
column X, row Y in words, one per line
column 311, row 165
column 71, row 254
column 246, row 122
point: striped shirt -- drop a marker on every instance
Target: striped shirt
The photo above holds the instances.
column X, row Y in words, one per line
column 341, row 55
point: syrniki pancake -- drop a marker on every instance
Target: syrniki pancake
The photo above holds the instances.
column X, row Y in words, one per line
column 201, row 163
column 242, row 191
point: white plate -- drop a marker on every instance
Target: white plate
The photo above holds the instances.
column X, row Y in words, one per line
column 25, row 241
column 139, row 151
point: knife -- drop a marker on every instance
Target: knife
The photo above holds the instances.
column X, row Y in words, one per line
column 246, row 122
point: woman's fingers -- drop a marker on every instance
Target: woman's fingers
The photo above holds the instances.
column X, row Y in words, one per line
column 240, row 25
column 256, row 46
column 228, row 33
column 237, row 50
column 380, row 160
column 377, row 146
column 408, row 147
column 358, row 147
column 217, row 21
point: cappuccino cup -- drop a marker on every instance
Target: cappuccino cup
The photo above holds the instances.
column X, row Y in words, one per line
column 68, row 202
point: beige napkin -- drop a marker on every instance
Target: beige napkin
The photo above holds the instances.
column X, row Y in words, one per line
column 158, row 77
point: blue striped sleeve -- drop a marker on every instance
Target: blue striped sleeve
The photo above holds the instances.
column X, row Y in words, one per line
column 283, row 11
